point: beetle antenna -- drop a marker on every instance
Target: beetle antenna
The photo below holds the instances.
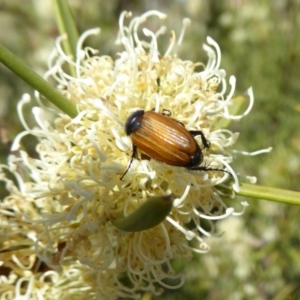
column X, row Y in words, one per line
column 206, row 168
column 220, row 170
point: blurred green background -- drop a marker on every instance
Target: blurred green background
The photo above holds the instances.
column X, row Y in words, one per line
column 258, row 257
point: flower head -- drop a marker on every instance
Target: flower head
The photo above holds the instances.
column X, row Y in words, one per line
column 58, row 235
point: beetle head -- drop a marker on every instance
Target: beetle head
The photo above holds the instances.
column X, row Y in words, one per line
column 133, row 122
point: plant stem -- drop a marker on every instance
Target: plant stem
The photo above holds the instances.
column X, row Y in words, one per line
column 36, row 81
column 268, row 193
column 66, row 25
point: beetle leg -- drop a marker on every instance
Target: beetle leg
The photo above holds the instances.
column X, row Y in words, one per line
column 205, row 142
column 166, row 112
column 134, row 155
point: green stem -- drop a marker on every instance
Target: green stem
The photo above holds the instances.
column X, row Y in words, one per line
column 36, row 81
column 66, row 25
column 268, row 193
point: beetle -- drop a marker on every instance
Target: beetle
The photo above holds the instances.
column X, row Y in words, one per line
column 166, row 140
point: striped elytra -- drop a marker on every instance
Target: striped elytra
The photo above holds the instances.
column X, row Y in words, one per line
column 165, row 139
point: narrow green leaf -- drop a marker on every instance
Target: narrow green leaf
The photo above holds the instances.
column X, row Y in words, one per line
column 66, row 25
column 36, row 81
column 268, row 193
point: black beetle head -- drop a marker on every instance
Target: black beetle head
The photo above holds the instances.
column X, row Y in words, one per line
column 133, row 122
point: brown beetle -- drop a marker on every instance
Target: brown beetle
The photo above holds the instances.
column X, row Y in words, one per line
column 166, row 140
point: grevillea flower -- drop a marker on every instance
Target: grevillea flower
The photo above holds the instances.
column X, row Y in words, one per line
column 57, row 235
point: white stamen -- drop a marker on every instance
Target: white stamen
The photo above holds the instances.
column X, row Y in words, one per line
column 186, row 23
column 210, row 41
column 188, row 234
column 98, row 103
column 24, row 100
column 229, row 211
column 244, row 206
column 79, row 51
column 258, row 152
column 60, row 51
column 171, row 44
column 178, row 202
column 153, row 50
column 120, row 142
column 124, row 14
column 102, row 156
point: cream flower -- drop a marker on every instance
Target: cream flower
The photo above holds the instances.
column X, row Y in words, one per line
column 58, row 237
